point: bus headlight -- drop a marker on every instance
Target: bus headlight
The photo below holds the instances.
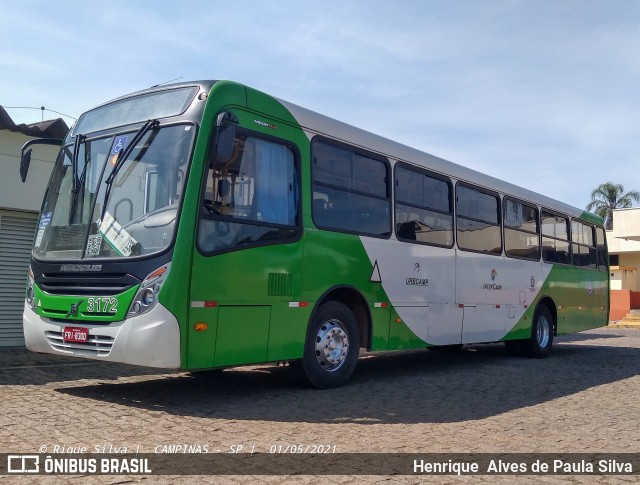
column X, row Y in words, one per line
column 30, row 295
column 147, row 295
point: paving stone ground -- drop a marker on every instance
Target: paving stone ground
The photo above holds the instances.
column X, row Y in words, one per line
column 584, row 398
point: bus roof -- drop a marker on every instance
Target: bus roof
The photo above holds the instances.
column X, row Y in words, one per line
column 324, row 125
column 317, row 123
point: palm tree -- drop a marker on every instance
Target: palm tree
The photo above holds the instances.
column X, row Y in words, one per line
column 609, row 196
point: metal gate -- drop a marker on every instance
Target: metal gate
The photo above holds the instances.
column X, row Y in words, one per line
column 16, row 237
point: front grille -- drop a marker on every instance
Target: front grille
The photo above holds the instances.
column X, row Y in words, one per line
column 100, row 345
column 75, row 284
column 68, row 321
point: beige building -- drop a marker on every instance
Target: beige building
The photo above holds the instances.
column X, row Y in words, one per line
column 624, row 255
column 624, row 249
column 19, row 207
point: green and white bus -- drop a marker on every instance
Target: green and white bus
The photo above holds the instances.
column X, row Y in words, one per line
column 207, row 225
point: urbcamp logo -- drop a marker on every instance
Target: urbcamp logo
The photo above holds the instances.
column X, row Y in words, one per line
column 595, row 288
column 492, row 286
column 417, row 279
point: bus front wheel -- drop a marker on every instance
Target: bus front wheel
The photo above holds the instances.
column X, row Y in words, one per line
column 331, row 347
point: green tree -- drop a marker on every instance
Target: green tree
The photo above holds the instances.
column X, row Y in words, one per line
column 609, row 196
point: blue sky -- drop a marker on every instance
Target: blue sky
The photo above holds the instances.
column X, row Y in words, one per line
column 544, row 94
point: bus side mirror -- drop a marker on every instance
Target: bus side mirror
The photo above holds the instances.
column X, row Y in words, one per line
column 25, row 161
column 224, row 143
column 225, row 136
column 25, row 158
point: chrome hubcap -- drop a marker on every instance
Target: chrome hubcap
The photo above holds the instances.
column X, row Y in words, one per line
column 543, row 331
column 332, row 345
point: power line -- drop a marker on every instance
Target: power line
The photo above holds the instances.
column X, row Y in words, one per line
column 43, row 109
column 167, row 82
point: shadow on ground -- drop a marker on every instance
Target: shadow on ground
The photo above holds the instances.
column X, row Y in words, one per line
column 18, row 367
column 407, row 387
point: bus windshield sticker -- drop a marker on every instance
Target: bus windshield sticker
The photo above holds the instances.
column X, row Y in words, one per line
column 117, row 236
column 45, row 220
column 93, row 245
column 118, row 144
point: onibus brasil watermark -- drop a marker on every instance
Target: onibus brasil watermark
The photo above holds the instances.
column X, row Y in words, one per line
column 290, row 460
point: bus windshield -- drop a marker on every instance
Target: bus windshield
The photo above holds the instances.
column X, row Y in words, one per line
column 133, row 215
column 161, row 104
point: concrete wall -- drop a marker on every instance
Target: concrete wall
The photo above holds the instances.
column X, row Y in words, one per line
column 622, row 302
column 627, row 275
column 626, row 224
column 624, row 278
column 13, row 193
column 624, row 240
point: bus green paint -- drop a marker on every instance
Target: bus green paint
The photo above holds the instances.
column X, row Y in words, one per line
column 251, row 319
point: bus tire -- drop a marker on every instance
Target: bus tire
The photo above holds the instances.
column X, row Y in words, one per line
column 539, row 345
column 331, row 347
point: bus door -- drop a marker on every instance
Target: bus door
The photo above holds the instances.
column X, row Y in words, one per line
column 247, row 262
column 481, row 292
column 480, row 287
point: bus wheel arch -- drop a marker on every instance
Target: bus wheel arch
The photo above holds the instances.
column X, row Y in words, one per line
column 337, row 328
column 543, row 329
column 354, row 300
column 551, row 306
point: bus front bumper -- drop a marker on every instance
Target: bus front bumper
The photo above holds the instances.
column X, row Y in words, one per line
column 151, row 340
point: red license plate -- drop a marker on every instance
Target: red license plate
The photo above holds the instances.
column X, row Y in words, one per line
column 75, row 334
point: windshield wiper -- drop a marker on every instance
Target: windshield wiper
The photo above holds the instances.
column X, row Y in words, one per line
column 79, row 182
column 74, row 161
column 124, row 154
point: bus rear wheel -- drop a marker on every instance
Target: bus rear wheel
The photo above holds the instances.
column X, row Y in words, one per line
column 331, row 347
column 539, row 345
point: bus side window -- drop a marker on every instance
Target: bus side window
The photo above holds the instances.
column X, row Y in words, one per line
column 555, row 238
column 478, row 220
column 521, row 231
column 423, row 206
column 250, row 198
column 603, row 260
column 583, row 245
column 354, row 187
